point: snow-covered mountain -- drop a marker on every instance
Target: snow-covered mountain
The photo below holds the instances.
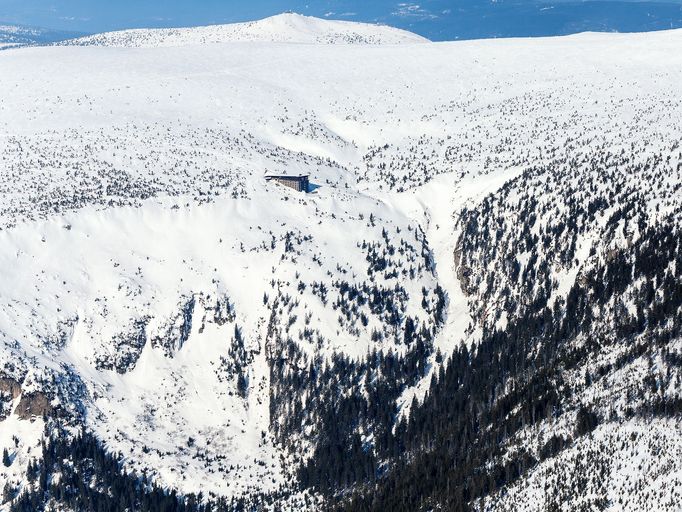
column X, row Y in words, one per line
column 12, row 36
column 287, row 27
column 485, row 274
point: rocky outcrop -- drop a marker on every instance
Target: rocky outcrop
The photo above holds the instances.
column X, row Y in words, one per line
column 9, row 387
column 33, row 405
column 30, row 404
column 462, row 271
column 128, row 346
column 176, row 332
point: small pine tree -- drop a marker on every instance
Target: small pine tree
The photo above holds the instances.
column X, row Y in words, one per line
column 6, row 461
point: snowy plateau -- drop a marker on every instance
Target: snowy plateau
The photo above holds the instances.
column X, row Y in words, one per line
column 477, row 306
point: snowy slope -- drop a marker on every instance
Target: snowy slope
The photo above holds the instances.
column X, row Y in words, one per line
column 283, row 28
column 149, row 271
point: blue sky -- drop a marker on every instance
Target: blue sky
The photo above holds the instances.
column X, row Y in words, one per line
column 99, row 15
column 437, row 19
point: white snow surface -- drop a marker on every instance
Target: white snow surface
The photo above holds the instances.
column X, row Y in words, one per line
column 131, row 179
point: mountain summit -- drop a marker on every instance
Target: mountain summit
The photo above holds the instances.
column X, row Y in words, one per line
column 283, row 28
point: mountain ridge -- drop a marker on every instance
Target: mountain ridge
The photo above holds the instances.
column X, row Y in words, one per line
column 287, row 27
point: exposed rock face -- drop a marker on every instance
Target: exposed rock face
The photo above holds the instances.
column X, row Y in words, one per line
column 33, row 405
column 30, row 405
column 10, row 389
column 463, row 272
column 176, row 332
column 129, row 345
